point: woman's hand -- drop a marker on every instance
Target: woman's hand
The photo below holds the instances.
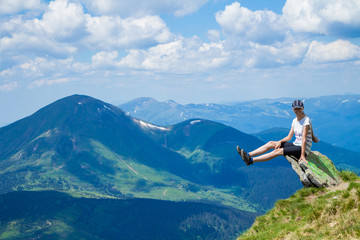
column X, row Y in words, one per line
column 278, row 145
column 303, row 158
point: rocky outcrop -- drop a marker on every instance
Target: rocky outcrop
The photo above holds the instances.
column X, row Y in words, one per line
column 319, row 172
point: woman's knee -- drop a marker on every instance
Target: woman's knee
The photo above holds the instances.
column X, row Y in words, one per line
column 271, row 144
column 279, row 151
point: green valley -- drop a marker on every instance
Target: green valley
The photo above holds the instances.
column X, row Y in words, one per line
column 58, row 215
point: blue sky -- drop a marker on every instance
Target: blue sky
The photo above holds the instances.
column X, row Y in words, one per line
column 191, row 51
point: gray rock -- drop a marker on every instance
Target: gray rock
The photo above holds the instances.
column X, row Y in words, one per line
column 319, row 172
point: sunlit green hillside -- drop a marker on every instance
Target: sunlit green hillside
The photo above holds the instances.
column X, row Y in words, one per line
column 311, row 213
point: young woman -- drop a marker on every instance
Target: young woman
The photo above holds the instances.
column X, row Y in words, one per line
column 304, row 136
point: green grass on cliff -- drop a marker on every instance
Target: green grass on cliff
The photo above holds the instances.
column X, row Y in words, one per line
column 313, row 213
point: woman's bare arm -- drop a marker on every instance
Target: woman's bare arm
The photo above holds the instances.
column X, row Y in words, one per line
column 303, row 144
column 286, row 139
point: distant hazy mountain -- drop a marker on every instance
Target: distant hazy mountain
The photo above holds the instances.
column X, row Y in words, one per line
column 336, row 119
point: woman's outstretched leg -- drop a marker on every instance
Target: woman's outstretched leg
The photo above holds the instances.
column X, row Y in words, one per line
column 269, row 156
column 250, row 158
column 263, row 149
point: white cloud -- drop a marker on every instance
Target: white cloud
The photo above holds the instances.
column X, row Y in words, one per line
column 186, row 7
column 213, row 35
column 16, row 6
column 137, row 8
column 104, row 59
column 181, row 56
column 50, row 35
column 44, row 67
column 23, row 44
column 43, row 82
column 55, row 47
column 263, row 39
column 108, row 32
column 9, row 86
column 62, row 20
column 259, row 39
column 329, row 17
column 256, row 26
column 64, row 28
column 266, row 56
column 37, row 67
column 336, row 51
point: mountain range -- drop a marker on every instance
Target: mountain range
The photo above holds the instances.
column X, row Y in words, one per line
column 85, row 145
column 335, row 118
column 84, row 148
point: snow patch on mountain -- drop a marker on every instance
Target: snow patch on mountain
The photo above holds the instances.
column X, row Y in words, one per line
column 106, row 107
column 172, row 103
column 286, row 112
column 195, row 121
column 150, row 126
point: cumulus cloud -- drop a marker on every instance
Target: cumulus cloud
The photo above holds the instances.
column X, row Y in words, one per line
column 269, row 56
column 130, row 37
column 213, row 35
column 256, row 26
column 16, row 6
column 339, row 18
column 52, row 34
column 191, row 55
column 336, row 51
column 22, row 43
column 264, row 39
column 64, row 28
column 259, row 39
column 67, row 22
column 107, row 32
column 104, row 59
column 62, row 20
column 125, row 8
column 40, row 67
column 329, row 17
column 181, row 56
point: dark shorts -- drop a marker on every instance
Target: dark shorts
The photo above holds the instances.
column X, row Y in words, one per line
column 291, row 149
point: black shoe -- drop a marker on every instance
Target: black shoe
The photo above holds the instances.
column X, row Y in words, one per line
column 247, row 159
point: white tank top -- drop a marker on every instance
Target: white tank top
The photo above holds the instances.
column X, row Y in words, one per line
column 298, row 131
